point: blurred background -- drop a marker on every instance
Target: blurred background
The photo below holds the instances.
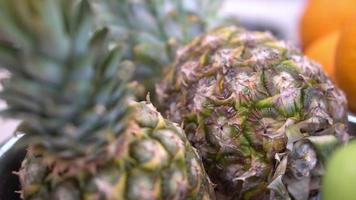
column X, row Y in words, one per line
column 279, row 16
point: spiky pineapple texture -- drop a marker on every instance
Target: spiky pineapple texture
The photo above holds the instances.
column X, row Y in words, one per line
column 262, row 115
column 88, row 139
column 151, row 159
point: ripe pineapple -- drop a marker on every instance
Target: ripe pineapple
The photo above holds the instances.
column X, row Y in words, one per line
column 262, row 116
column 150, row 159
column 88, row 138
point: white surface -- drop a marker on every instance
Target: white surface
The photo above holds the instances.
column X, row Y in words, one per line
column 352, row 118
column 9, row 144
column 7, row 127
column 283, row 14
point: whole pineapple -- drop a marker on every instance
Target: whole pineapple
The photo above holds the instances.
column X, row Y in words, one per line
column 262, row 116
column 88, row 138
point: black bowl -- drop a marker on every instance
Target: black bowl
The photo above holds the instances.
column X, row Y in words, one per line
column 11, row 156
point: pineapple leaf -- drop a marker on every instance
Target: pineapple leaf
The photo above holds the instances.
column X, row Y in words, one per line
column 152, row 30
column 68, row 82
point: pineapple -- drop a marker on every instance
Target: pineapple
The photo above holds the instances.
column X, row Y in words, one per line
column 150, row 159
column 263, row 117
column 88, row 138
column 152, row 30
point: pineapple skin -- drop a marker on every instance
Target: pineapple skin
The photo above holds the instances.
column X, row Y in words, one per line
column 259, row 112
column 152, row 159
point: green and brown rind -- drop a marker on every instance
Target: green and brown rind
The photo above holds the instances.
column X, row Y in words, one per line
column 262, row 115
column 151, row 159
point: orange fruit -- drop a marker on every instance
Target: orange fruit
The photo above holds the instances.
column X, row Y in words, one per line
column 324, row 16
column 345, row 62
column 323, row 51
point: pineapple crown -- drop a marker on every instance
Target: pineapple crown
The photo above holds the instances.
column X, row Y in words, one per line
column 66, row 80
column 154, row 29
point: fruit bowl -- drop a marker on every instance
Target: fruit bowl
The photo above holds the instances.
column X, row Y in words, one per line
column 11, row 156
column 257, row 145
column 12, row 152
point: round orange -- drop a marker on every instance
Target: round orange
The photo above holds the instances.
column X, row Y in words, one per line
column 324, row 16
column 323, row 51
column 345, row 62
